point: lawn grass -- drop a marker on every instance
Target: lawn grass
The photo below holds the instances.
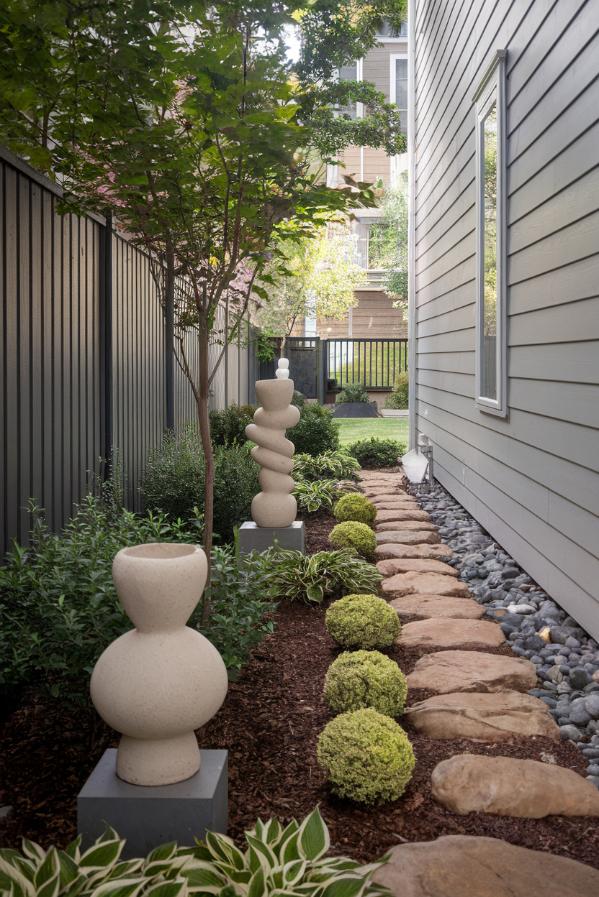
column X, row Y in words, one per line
column 353, row 428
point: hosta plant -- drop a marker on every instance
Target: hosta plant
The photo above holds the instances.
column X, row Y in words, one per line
column 316, row 496
column 315, row 577
column 334, row 465
column 278, row 861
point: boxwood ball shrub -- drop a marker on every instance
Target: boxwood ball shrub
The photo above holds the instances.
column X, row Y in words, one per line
column 374, row 453
column 354, row 506
column 362, row 621
column 351, row 534
column 358, row 679
column 367, row 756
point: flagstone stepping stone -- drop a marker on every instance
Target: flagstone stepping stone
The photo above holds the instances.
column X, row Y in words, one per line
column 471, row 866
column 489, row 717
column 451, row 634
column 504, row 786
column 387, row 492
column 396, row 550
column 450, row 671
column 417, row 565
column 405, row 514
column 403, row 507
column 425, row 583
column 424, row 607
column 397, row 514
column 408, row 537
column 389, row 526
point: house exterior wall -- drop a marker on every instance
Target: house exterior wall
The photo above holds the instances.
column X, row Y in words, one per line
column 373, row 318
column 531, row 478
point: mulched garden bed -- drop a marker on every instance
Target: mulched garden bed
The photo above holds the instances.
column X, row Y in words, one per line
column 270, row 723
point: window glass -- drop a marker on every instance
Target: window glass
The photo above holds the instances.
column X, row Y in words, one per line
column 377, row 240
column 349, row 73
column 488, row 380
column 401, row 91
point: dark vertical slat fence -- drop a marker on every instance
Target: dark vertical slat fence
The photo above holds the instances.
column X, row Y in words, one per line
column 83, row 366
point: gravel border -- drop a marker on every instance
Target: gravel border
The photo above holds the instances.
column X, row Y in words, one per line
column 536, row 627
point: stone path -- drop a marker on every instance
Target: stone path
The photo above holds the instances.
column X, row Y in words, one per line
column 467, row 866
column 480, row 696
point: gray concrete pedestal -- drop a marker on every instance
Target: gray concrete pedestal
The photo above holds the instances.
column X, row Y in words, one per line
column 149, row 816
column 259, row 538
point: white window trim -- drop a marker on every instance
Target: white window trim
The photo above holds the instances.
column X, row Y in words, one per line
column 394, row 164
column 392, row 81
column 492, row 91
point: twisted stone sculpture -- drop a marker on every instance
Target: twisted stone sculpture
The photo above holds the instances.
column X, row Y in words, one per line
column 160, row 681
column 274, row 506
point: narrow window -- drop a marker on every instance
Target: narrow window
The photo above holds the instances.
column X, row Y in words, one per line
column 491, row 319
column 398, row 93
column 349, row 72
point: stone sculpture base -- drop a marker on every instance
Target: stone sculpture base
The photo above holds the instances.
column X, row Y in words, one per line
column 149, row 816
column 259, row 538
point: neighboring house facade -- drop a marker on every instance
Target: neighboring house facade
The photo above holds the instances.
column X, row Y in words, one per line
column 504, row 288
column 385, row 66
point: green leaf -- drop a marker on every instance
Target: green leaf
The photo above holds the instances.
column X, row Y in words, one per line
column 168, row 889
column 122, row 887
column 345, row 886
column 101, row 855
column 257, row 884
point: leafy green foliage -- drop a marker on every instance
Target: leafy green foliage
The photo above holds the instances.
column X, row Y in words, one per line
column 316, row 495
column 352, row 534
column 354, row 506
column 174, row 481
column 58, row 604
column 374, row 453
column 367, row 756
column 227, row 427
column 358, row 679
column 353, row 392
column 362, row 621
column 315, row 432
column 388, row 244
column 240, row 610
column 399, row 397
column 316, row 577
column 59, row 608
column 278, row 860
column 334, row 465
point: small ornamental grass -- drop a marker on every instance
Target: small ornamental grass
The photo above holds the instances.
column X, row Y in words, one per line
column 354, row 506
column 362, row 621
column 351, row 534
column 358, row 679
column 366, row 756
column 278, row 861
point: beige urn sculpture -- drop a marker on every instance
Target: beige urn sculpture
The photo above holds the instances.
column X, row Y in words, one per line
column 160, row 681
column 274, row 506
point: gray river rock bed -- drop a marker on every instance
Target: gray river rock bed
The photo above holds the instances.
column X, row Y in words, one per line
column 536, row 627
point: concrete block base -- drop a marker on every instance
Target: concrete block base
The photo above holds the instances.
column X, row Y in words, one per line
column 149, row 816
column 259, row 538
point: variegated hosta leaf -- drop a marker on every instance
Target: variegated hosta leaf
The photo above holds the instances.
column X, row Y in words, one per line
column 314, row 840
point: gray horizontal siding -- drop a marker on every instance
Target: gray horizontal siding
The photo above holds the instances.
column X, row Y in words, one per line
column 531, row 479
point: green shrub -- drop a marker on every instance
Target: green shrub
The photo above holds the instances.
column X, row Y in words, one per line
column 59, row 608
column 316, row 577
column 227, row 427
column 358, row 679
column 316, row 431
column 362, row 621
column 240, row 609
column 353, row 392
column 174, row 481
column 315, row 496
column 355, row 506
column 333, row 465
column 351, row 534
column 278, row 860
column 58, row 604
column 367, row 756
column 299, row 399
column 373, row 452
column 399, row 397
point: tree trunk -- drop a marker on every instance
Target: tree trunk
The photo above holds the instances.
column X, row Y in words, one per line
column 204, row 427
column 169, row 341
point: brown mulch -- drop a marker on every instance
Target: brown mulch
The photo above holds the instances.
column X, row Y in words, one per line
column 270, row 723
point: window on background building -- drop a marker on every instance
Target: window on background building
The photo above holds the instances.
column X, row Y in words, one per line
column 349, row 72
column 377, row 245
column 399, row 87
column 491, row 318
column 387, row 31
